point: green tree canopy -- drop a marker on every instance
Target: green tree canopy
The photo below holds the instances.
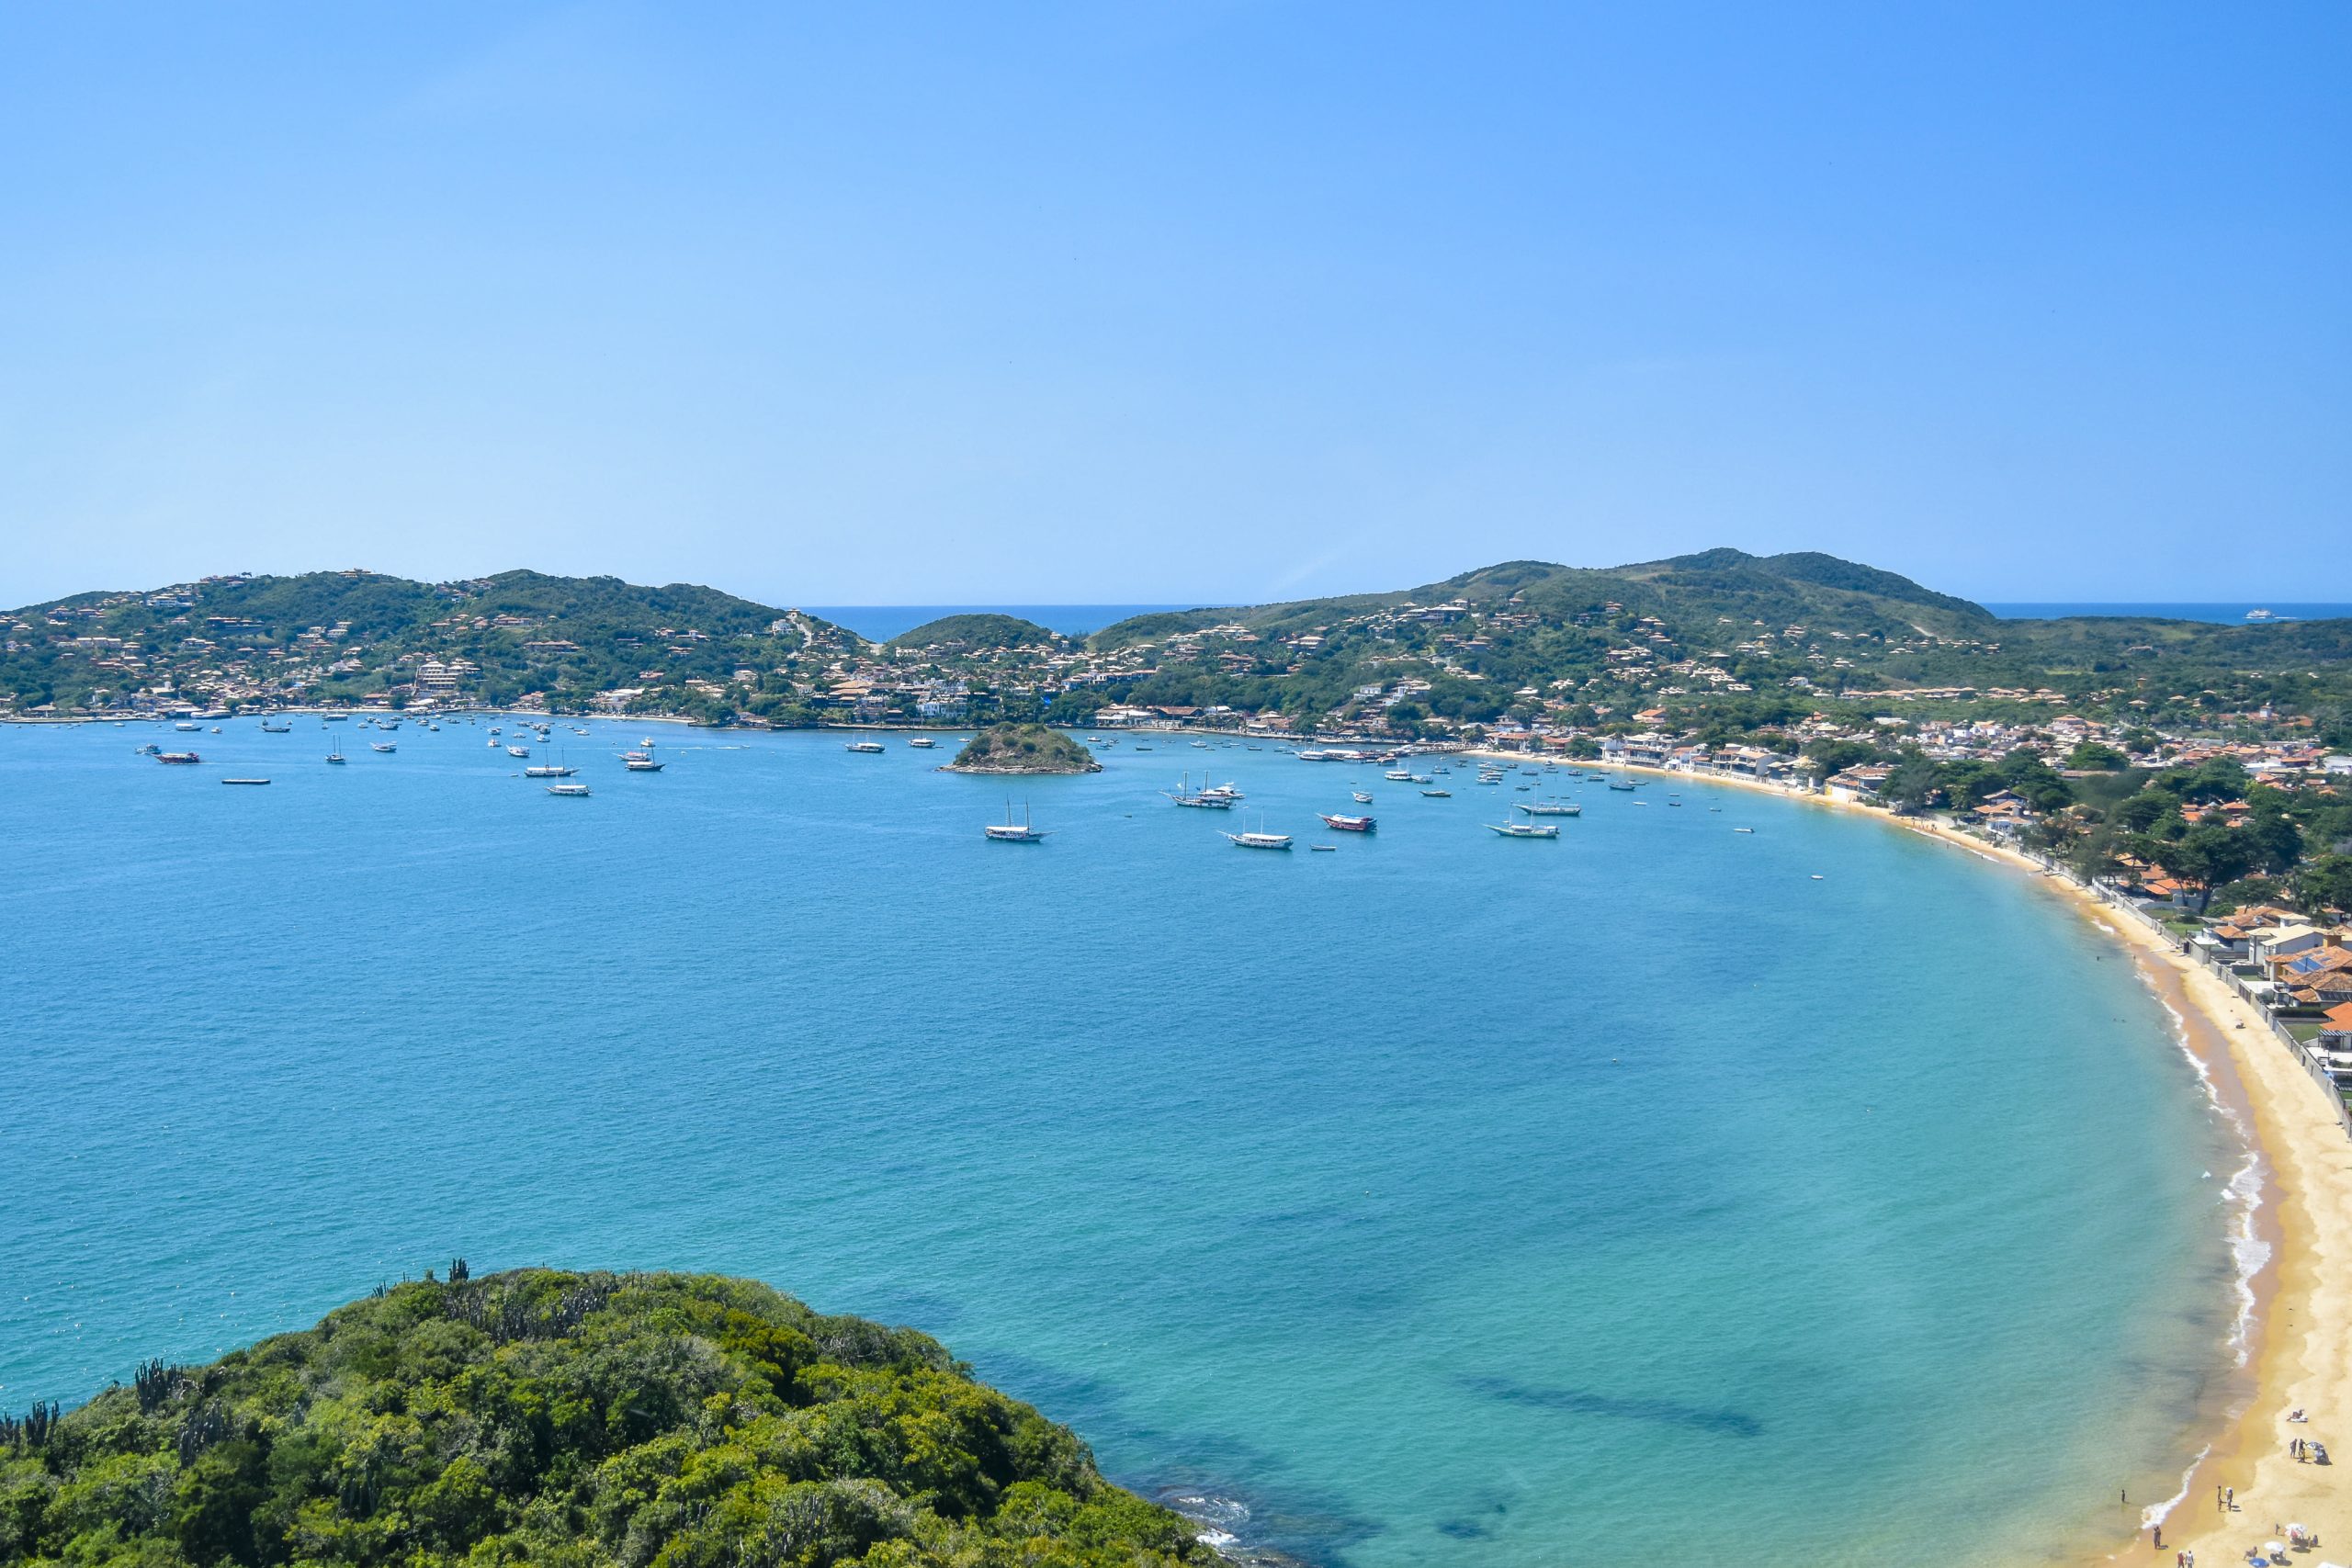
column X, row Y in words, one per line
column 587, row 1420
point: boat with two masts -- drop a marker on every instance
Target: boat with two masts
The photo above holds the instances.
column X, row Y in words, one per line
column 1523, row 829
column 1012, row 832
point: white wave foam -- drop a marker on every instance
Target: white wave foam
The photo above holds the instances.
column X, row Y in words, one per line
column 2248, row 1252
column 2155, row 1513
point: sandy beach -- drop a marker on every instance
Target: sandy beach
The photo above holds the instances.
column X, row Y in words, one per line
column 2298, row 1344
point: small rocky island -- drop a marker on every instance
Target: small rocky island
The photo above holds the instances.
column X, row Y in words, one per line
column 1022, row 749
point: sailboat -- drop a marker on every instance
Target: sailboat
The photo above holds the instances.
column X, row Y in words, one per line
column 1206, row 799
column 1525, row 830
column 549, row 771
column 1012, row 832
column 1549, row 807
column 336, row 756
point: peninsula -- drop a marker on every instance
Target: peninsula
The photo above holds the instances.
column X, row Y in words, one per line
column 1022, row 749
column 571, row 1418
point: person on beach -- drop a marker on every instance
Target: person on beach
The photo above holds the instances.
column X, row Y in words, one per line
column 2229, row 1498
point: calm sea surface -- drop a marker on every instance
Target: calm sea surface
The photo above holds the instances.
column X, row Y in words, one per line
column 1445, row 1200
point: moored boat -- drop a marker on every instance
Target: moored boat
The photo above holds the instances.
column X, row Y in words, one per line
column 1523, row 829
column 182, row 758
column 568, row 790
column 921, row 742
column 1012, row 832
column 1260, row 841
column 641, row 764
column 1347, row 824
column 245, row 781
column 868, row 746
column 1549, row 807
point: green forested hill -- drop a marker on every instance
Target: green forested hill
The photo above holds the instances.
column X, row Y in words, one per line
column 339, row 637
column 972, row 631
column 1721, row 642
column 1822, row 591
column 586, row 1420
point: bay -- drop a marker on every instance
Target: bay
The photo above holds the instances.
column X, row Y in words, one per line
column 1445, row 1199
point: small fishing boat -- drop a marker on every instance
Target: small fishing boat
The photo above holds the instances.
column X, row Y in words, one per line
column 1362, row 796
column 383, row 745
column 491, row 743
column 568, row 790
column 518, row 750
column 1437, row 793
column 1622, row 786
column 1012, row 832
column 1743, row 829
column 245, row 781
column 869, row 746
column 1347, row 824
column 1524, row 830
column 150, row 750
column 1324, row 849
column 270, row 729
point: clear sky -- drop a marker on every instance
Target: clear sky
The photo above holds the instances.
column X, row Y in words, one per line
column 1184, row 300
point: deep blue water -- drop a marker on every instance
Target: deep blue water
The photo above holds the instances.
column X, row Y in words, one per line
column 2231, row 614
column 1445, row 1200
column 880, row 623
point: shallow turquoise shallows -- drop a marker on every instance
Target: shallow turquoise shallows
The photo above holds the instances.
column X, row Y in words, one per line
column 1444, row 1199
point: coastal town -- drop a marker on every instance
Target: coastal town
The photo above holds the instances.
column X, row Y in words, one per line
column 2205, row 768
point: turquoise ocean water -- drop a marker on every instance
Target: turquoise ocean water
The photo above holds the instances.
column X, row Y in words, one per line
column 1444, row 1199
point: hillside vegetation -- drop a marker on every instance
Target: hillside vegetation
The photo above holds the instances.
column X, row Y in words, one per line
column 956, row 634
column 1721, row 642
column 586, row 1420
column 1024, row 748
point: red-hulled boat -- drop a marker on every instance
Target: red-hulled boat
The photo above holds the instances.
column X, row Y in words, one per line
column 1347, row 824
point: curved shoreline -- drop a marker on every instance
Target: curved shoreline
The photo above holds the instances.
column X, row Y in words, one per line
column 2296, row 1336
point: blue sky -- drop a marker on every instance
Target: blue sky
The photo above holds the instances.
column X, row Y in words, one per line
column 1160, row 302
